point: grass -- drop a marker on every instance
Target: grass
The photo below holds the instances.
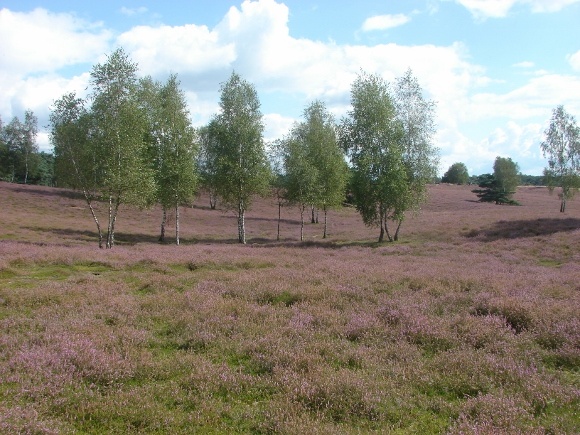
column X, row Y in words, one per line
column 468, row 325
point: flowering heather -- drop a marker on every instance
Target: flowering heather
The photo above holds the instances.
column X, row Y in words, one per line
column 469, row 325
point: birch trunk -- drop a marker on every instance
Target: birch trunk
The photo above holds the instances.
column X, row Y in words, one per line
column 396, row 237
column 163, row 222
column 89, row 203
column 241, row 224
column 279, row 217
column 110, row 223
column 382, row 233
column 177, row 224
column 325, row 222
column 302, row 223
column 112, row 219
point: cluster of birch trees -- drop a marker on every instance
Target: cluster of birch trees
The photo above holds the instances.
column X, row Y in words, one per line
column 131, row 142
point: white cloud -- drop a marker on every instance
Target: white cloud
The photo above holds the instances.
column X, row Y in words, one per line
column 549, row 5
column 35, row 48
column 488, row 8
column 519, row 141
column 255, row 40
column 515, row 139
column 58, row 40
column 383, row 22
column 164, row 49
column 277, row 126
column 500, row 8
column 574, row 60
column 133, row 11
column 530, row 100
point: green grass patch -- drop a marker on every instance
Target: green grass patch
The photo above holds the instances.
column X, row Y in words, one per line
column 27, row 275
column 548, row 262
column 285, row 298
column 228, row 267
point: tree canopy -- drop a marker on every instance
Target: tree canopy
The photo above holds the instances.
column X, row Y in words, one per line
column 173, row 146
column 388, row 138
column 500, row 186
column 456, row 174
column 314, row 166
column 104, row 145
column 242, row 169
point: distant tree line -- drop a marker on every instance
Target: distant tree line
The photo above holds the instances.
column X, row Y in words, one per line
column 458, row 174
column 20, row 159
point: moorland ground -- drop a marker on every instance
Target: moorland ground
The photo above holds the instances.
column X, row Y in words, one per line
column 469, row 324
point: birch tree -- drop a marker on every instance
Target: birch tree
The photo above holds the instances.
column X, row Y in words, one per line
column 119, row 130
column 315, row 168
column 561, row 146
column 300, row 174
column 112, row 152
column 371, row 134
column 278, row 180
column 326, row 157
column 208, row 165
column 76, row 162
column 416, row 116
column 242, row 166
column 173, row 147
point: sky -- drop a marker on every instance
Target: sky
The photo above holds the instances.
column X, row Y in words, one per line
column 495, row 68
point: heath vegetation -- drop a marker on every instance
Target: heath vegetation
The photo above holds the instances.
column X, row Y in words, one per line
column 468, row 325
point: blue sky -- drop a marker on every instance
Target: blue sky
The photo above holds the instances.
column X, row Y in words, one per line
column 496, row 68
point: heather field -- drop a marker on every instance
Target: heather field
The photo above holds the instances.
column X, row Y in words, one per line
column 469, row 325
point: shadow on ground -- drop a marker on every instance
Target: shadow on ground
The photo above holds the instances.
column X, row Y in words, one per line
column 524, row 228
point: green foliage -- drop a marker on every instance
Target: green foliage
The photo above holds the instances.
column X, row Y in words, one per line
column 500, row 186
column 315, row 171
column 532, row 180
column 417, row 118
column 492, row 192
column 119, row 127
column 561, row 146
column 456, row 174
column 19, row 158
column 173, row 146
column 101, row 150
column 371, row 136
column 242, row 169
column 207, row 164
column 507, row 174
column 388, row 139
column 319, row 133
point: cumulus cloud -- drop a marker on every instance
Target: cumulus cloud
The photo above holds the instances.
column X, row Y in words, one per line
column 254, row 39
column 518, row 140
column 58, row 40
column 383, row 22
column 164, row 49
column 35, row 48
column 574, row 60
column 529, row 100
